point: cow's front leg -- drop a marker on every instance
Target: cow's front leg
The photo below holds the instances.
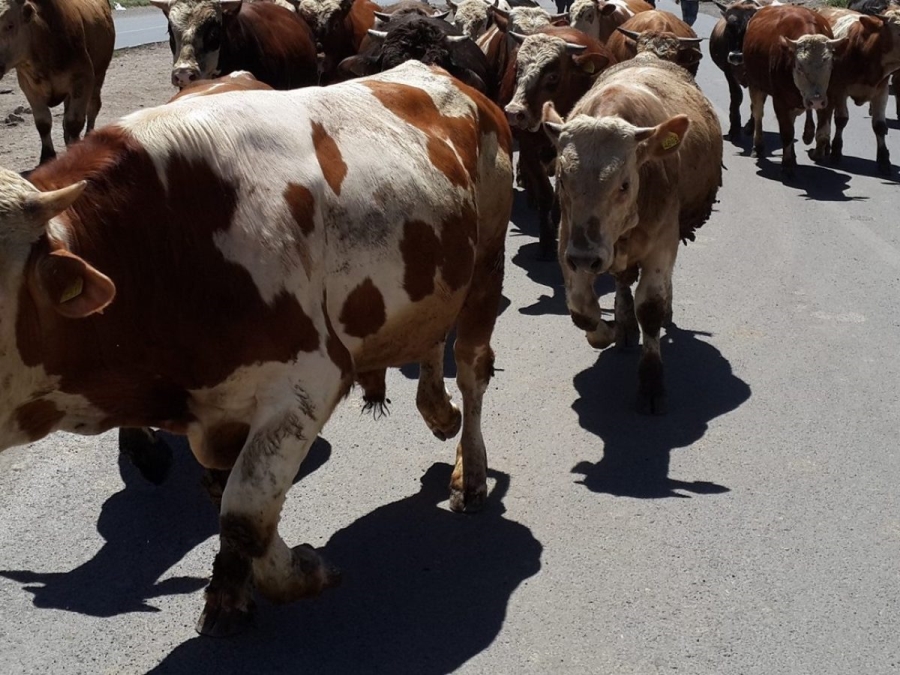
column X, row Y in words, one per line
column 757, row 107
column 432, row 399
column 538, row 189
column 43, row 120
column 652, row 302
column 824, row 147
column 75, row 114
column 786, row 121
column 628, row 334
column 734, row 108
column 582, row 300
column 251, row 549
column 878, row 111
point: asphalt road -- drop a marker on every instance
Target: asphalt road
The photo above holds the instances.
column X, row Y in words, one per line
column 754, row 530
column 139, row 26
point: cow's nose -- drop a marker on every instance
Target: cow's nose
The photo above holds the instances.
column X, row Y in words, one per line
column 515, row 115
column 182, row 77
column 584, row 261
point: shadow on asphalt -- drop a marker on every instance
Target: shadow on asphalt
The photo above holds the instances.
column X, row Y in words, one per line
column 148, row 529
column 819, row 183
column 424, row 591
column 636, row 448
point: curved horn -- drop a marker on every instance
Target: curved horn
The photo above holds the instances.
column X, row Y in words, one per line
column 573, row 48
column 634, row 35
column 381, row 16
column 441, row 15
column 496, row 9
column 557, row 17
column 694, row 41
column 452, row 5
column 721, row 5
column 377, row 34
column 518, row 37
column 456, row 39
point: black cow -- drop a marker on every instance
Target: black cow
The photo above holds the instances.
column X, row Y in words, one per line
column 414, row 37
column 728, row 37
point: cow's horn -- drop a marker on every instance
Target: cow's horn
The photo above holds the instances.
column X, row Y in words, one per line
column 574, row 48
column 518, row 37
column 690, row 41
column 634, row 35
column 441, row 15
column 456, row 39
column 377, row 34
column 382, row 16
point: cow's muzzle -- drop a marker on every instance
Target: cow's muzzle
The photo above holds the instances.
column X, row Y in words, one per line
column 589, row 260
column 182, row 77
column 817, row 102
column 736, row 58
column 517, row 116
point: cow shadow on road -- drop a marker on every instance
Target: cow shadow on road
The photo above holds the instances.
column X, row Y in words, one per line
column 424, row 591
column 819, row 183
column 636, row 448
column 148, row 529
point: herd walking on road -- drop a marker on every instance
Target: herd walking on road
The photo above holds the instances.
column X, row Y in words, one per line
column 327, row 196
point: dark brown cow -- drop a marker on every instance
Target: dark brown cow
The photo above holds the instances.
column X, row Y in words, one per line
column 274, row 301
column 553, row 64
column 60, row 51
column 728, row 36
column 866, row 60
column 210, row 38
column 788, row 55
column 661, row 33
column 340, row 27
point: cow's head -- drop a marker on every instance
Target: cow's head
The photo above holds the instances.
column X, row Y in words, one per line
column 525, row 20
column 15, row 17
column 546, row 66
column 683, row 51
column 325, row 17
column 585, row 15
column 472, row 17
column 196, row 31
column 41, row 281
column 813, row 60
column 599, row 179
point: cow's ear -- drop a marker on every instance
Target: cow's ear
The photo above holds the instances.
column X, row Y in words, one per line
column 27, row 12
column 71, row 286
column 663, row 139
column 551, row 122
column 162, row 5
column 591, row 63
column 608, row 9
column 871, row 23
column 688, row 57
column 501, row 19
column 357, row 66
column 470, row 77
column 230, row 8
column 787, row 43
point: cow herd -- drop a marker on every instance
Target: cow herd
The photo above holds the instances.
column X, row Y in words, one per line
column 300, row 242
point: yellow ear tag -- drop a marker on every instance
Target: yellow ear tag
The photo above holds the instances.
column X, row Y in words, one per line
column 670, row 141
column 588, row 67
column 73, row 291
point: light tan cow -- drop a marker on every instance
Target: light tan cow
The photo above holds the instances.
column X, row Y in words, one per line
column 639, row 165
column 60, row 50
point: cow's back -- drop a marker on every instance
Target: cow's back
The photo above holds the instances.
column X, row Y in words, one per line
column 767, row 62
column 274, row 44
column 646, row 91
column 624, row 48
column 77, row 25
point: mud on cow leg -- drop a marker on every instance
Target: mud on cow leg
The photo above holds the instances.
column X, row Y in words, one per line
column 434, row 404
column 149, row 453
column 475, row 367
column 229, row 596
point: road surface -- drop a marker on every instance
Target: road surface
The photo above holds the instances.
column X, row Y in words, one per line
column 754, row 530
column 139, row 26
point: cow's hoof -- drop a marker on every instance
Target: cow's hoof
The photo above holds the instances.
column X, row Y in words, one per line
column 470, row 501
column 651, row 404
column 884, row 165
column 149, row 454
column 307, row 560
column 809, row 135
column 748, row 127
column 602, row 337
column 758, row 152
column 448, row 430
column 220, row 622
column 628, row 337
column 309, row 575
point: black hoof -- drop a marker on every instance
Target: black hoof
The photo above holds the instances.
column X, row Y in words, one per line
column 547, row 252
column 627, row 339
column 220, row 623
column 149, row 454
column 332, row 577
column 758, row 152
column 473, row 502
column 651, row 404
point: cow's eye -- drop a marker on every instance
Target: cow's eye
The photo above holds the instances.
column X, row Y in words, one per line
column 8, row 28
column 624, row 186
column 552, row 80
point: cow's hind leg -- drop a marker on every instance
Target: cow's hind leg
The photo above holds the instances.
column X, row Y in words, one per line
column 94, row 105
column 757, row 107
column 734, row 109
column 878, row 111
column 43, row 121
column 475, row 366
column 652, row 305
column 628, row 334
column 432, row 399
column 251, row 549
column 149, row 453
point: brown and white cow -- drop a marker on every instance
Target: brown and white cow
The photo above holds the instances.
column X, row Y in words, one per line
column 661, row 33
column 60, row 51
column 862, row 72
column 556, row 64
column 285, row 280
column 788, row 54
column 211, row 38
column 728, row 36
column 639, row 166
column 340, row 27
column 599, row 18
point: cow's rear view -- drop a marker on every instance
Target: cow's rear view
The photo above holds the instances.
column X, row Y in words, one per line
column 308, row 239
